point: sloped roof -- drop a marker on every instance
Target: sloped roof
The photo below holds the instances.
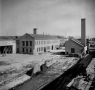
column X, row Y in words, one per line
column 9, row 37
column 77, row 41
column 43, row 37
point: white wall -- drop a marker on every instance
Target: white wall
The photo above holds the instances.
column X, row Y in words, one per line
column 52, row 43
column 34, row 46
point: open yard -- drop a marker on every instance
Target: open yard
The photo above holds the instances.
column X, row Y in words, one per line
column 13, row 67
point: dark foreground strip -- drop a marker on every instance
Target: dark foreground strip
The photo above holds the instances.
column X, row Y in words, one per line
column 61, row 82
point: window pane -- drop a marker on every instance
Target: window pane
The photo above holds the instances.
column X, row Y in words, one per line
column 30, row 43
column 37, row 42
column 72, row 50
column 26, row 43
column 37, row 50
column 22, row 49
column 23, row 43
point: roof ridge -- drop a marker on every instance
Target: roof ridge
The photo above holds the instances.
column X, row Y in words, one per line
column 41, row 36
column 77, row 41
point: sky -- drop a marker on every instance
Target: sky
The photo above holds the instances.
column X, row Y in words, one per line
column 54, row 17
column 0, row 16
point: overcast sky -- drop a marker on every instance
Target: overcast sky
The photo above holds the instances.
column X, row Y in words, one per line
column 53, row 17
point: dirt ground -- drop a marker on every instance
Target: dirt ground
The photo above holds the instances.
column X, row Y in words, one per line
column 13, row 67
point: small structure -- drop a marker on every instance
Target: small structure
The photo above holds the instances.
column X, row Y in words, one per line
column 73, row 46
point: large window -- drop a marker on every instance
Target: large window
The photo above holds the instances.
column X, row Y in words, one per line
column 37, row 49
column 26, row 43
column 72, row 50
column 23, row 43
column 30, row 43
column 39, row 42
column 23, row 50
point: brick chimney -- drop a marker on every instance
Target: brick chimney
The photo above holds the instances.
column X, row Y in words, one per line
column 83, row 32
column 35, row 31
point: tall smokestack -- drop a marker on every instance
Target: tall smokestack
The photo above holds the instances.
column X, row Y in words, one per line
column 83, row 32
column 35, row 31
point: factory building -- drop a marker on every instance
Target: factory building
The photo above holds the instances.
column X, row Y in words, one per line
column 75, row 46
column 36, row 43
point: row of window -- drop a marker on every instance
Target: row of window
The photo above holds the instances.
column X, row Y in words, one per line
column 27, row 50
column 26, row 43
column 29, row 43
column 41, row 42
column 43, row 49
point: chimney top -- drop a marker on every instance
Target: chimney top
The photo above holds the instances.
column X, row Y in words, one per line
column 83, row 18
column 35, row 31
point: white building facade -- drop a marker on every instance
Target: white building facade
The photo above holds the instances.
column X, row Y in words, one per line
column 35, row 43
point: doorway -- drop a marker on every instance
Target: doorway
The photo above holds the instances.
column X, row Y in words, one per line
column 52, row 47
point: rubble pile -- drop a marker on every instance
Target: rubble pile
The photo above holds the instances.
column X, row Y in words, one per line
column 83, row 82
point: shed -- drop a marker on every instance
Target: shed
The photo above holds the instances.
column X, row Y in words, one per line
column 73, row 46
